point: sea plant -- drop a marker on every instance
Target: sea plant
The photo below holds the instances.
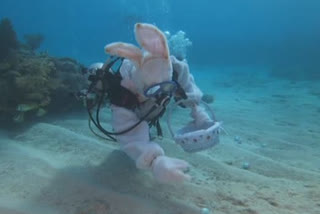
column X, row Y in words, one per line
column 34, row 41
column 34, row 84
column 8, row 38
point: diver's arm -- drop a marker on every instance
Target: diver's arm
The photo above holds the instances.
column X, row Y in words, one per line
column 186, row 81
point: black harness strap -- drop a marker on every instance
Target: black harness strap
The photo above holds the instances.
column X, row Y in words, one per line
column 122, row 97
column 179, row 94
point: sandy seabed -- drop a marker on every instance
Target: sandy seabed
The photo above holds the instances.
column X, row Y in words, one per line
column 58, row 166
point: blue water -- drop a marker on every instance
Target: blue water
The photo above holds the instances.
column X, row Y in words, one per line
column 266, row 32
column 259, row 60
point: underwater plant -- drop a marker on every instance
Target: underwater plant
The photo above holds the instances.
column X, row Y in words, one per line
column 34, row 84
column 36, row 78
column 8, row 38
column 34, row 41
column 178, row 44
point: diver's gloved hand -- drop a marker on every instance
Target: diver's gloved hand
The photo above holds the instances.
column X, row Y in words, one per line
column 200, row 117
column 170, row 170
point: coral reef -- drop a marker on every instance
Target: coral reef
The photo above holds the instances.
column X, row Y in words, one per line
column 34, row 84
column 8, row 38
column 72, row 80
column 178, row 44
column 34, row 41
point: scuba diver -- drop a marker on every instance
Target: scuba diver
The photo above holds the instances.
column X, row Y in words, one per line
column 139, row 92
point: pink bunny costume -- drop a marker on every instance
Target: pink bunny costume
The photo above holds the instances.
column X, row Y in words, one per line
column 143, row 67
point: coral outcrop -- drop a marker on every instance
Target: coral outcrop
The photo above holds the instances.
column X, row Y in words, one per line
column 8, row 38
column 35, row 83
column 34, row 41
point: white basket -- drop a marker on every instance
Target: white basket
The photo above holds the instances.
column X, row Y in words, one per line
column 192, row 138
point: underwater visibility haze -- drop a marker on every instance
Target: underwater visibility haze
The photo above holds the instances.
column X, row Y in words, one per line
column 257, row 64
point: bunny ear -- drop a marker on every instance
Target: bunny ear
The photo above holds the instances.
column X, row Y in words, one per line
column 124, row 50
column 152, row 39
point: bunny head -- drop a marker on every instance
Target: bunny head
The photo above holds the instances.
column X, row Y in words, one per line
column 152, row 62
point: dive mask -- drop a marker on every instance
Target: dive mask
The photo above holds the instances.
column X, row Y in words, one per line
column 167, row 87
